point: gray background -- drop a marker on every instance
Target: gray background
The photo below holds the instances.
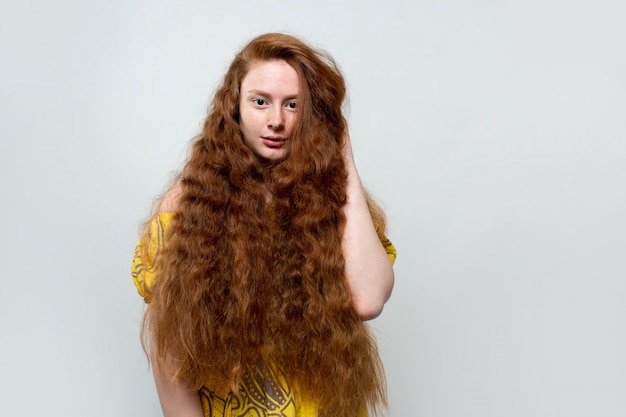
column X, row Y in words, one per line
column 493, row 132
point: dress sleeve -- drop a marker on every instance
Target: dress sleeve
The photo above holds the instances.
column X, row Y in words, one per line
column 390, row 249
column 146, row 255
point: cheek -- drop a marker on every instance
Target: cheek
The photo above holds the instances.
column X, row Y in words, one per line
column 249, row 126
column 248, row 119
column 291, row 121
column 242, row 115
column 244, row 123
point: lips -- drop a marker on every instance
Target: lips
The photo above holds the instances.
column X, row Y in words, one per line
column 273, row 141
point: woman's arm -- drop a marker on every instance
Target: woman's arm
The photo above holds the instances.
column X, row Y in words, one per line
column 177, row 400
column 170, row 201
column 368, row 270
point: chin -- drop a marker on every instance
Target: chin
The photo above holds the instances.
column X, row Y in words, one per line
column 271, row 159
column 273, row 156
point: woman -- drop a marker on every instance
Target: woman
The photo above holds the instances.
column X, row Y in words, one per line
column 266, row 254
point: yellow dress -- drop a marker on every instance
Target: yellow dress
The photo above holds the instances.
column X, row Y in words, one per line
column 265, row 391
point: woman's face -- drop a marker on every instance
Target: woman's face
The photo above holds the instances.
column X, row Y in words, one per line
column 267, row 107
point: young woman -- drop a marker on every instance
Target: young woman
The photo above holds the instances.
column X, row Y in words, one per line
column 267, row 254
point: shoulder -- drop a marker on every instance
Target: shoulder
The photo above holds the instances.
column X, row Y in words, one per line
column 171, row 199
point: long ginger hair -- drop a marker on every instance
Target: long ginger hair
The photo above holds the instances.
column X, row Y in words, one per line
column 242, row 280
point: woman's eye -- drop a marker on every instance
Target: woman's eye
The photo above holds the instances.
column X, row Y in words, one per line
column 292, row 105
column 259, row 102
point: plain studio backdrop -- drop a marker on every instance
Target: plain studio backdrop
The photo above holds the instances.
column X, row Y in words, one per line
column 493, row 132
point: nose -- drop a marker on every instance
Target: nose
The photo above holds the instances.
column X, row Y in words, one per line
column 275, row 118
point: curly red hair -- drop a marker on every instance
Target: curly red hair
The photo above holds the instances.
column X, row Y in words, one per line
column 241, row 280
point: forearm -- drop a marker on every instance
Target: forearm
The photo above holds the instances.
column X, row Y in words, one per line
column 368, row 270
column 177, row 400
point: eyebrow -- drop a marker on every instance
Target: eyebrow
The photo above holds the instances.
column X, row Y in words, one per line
column 263, row 93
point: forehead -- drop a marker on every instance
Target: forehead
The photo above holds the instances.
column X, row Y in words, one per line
column 275, row 76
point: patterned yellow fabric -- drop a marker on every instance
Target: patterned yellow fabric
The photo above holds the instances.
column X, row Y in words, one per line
column 389, row 248
column 146, row 255
column 265, row 391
